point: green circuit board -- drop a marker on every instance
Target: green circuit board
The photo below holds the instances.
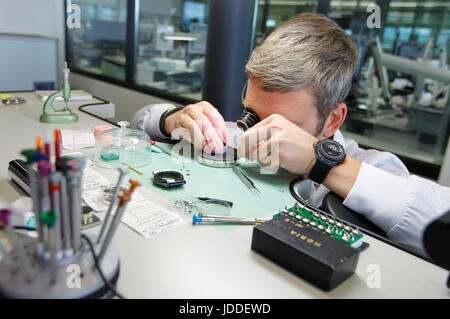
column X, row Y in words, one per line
column 324, row 223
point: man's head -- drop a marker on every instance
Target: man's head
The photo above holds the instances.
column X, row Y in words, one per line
column 303, row 71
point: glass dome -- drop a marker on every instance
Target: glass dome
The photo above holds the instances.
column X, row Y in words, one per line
column 122, row 147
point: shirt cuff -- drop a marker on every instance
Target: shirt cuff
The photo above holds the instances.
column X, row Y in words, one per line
column 147, row 119
column 379, row 196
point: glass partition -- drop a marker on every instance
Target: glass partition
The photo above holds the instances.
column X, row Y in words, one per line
column 413, row 120
column 408, row 115
column 172, row 46
column 273, row 12
column 98, row 45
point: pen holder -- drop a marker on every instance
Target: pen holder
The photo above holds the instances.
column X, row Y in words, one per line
column 76, row 275
column 60, row 262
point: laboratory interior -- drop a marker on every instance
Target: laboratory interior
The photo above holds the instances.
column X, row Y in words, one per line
column 101, row 197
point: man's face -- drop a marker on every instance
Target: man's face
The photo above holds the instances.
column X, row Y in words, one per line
column 296, row 106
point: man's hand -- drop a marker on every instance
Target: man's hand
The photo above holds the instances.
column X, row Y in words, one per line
column 277, row 139
column 206, row 127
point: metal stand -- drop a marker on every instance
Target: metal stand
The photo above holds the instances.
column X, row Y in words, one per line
column 76, row 275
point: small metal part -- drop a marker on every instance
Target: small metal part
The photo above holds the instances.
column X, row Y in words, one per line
column 291, row 214
column 323, row 218
column 329, row 230
column 305, row 220
column 298, row 217
column 355, row 232
column 345, row 238
column 14, row 100
column 347, row 228
column 321, row 227
column 339, row 225
column 314, row 224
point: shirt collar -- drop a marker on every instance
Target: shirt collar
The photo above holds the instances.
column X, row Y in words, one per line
column 338, row 137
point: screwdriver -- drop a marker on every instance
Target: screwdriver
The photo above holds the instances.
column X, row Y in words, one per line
column 225, row 220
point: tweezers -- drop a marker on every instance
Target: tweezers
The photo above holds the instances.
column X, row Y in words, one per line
column 245, row 179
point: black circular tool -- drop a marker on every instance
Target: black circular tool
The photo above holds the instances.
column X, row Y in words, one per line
column 226, row 158
column 248, row 119
column 168, row 178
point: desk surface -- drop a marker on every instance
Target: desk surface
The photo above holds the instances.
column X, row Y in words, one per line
column 208, row 262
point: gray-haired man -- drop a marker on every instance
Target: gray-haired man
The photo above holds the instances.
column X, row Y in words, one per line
column 299, row 78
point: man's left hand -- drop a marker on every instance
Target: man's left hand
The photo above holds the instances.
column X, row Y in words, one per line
column 276, row 141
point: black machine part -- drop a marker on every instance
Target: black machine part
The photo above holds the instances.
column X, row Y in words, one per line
column 19, row 174
column 247, row 119
column 316, row 257
column 436, row 240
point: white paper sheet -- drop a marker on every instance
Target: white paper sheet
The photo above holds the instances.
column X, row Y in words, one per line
column 150, row 219
column 77, row 139
column 93, row 180
column 146, row 218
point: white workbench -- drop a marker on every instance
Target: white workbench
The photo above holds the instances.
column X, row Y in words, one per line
column 206, row 262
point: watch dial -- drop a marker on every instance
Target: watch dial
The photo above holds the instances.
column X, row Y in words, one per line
column 332, row 149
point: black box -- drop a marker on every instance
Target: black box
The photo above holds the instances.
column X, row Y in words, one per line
column 314, row 256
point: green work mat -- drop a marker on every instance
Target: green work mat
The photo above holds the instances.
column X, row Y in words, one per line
column 221, row 183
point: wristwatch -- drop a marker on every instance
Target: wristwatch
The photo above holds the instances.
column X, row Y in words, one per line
column 329, row 153
column 166, row 114
column 168, row 178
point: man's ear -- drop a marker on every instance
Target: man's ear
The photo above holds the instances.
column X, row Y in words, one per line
column 334, row 120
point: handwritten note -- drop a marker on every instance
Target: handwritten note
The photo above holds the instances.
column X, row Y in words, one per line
column 93, row 180
column 150, row 219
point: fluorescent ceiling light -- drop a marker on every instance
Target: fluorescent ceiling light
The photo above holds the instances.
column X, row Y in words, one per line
column 181, row 36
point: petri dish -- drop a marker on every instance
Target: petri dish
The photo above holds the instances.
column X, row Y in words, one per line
column 115, row 146
column 214, row 207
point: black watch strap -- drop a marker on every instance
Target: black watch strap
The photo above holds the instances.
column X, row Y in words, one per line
column 319, row 172
column 166, row 114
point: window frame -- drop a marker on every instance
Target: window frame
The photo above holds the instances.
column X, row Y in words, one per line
column 129, row 82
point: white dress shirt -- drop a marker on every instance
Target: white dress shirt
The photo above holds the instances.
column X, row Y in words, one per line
column 384, row 192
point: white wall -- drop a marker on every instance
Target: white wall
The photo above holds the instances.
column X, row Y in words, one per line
column 35, row 17
column 47, row 18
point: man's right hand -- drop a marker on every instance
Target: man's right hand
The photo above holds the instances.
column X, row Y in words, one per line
column 205, row 125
